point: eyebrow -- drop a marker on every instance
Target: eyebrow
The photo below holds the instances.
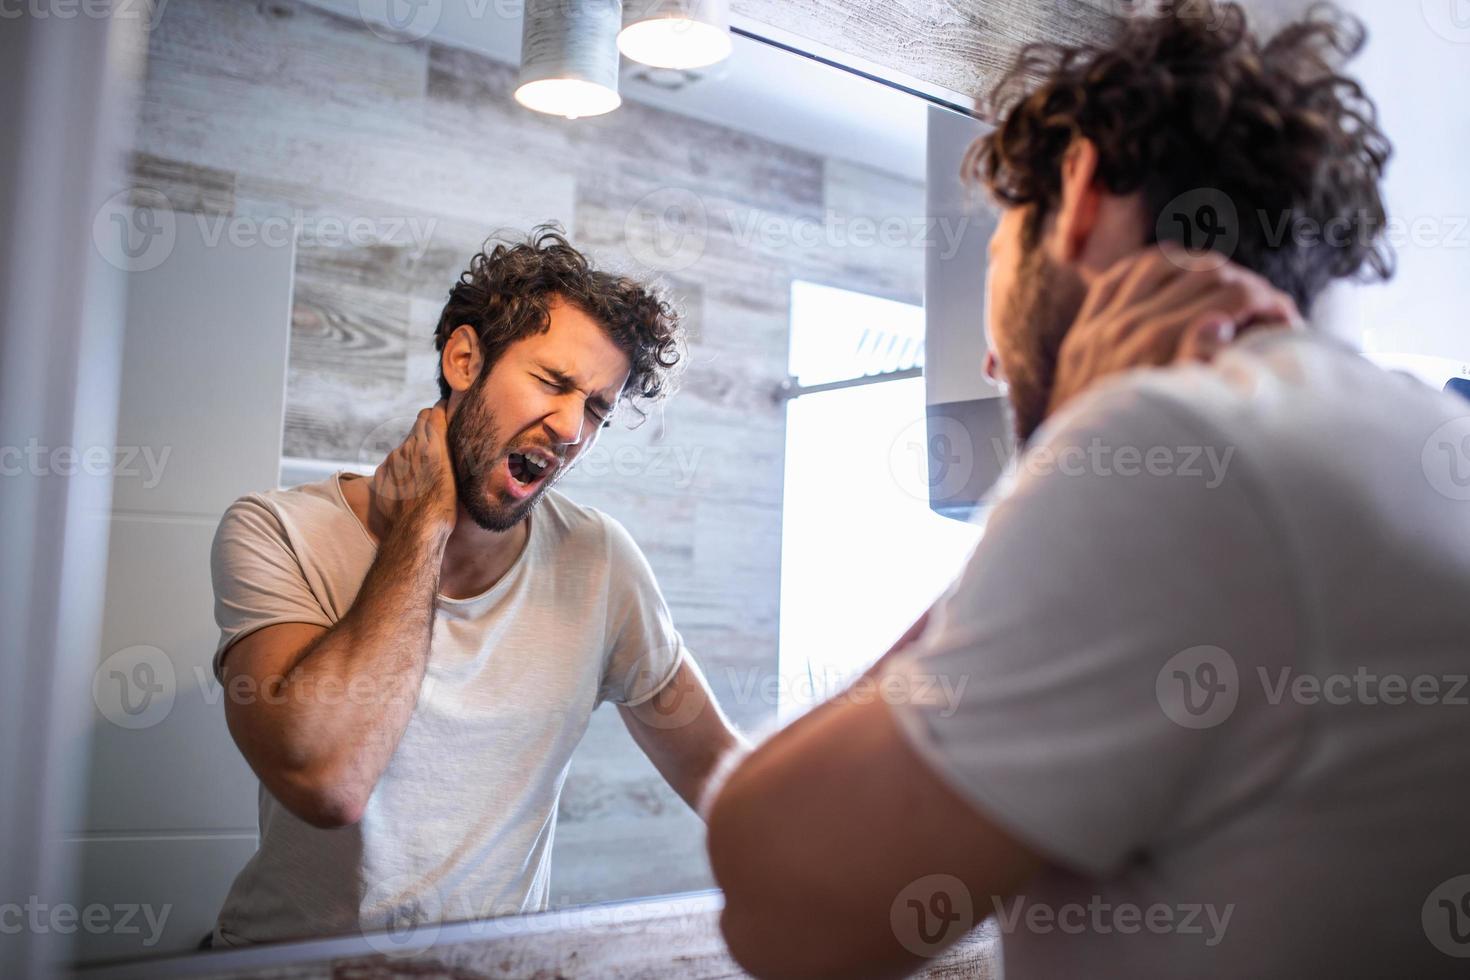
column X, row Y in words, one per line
column 567, row 381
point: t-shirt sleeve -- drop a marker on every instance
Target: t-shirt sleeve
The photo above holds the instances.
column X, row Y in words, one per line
column 1090, row 683
column 258, row 581
column 643, row 647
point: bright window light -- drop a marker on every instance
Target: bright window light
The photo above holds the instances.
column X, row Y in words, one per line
column 862, row 555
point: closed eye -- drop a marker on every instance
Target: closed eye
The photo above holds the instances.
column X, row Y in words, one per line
column 561, row 389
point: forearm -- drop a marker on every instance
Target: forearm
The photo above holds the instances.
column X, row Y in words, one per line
column 695, row 778
column 684, row 733
column 346, row 701
column 864, row 687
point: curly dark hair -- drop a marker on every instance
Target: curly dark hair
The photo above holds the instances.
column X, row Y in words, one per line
column 1190, row 100
column 508, row 290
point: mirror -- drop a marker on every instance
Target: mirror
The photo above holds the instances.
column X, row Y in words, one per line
column 305, row 188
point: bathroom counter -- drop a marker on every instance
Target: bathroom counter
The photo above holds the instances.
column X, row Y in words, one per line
column 678, row 936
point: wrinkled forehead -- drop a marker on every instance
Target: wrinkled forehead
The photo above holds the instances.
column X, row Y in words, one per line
column 578, row 350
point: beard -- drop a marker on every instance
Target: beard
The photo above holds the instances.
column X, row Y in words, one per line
column 475, row 453
column 1039, row 312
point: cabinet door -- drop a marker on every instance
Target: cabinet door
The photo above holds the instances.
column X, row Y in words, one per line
column 968, row 439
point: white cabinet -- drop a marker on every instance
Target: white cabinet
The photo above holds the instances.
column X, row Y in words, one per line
column 967, row 437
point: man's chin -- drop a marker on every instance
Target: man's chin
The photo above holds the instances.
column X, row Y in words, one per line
column 498, row 517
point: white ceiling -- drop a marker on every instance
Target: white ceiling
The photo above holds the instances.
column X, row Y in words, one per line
column 761, row 90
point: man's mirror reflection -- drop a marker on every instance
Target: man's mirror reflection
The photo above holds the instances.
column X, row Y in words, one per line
column 1179, row 691
column 479, row 615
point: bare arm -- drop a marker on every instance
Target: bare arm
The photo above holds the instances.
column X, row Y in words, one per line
column 318, row 713
column 832, row 834
column 683, row 732
column 733, row 759
column 823, row 837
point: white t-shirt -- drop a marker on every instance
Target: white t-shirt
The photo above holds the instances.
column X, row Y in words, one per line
column 460, row 826
column 1214, row 653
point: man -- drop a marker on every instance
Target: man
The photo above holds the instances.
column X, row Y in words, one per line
column 409, row 660
column 1214, row 634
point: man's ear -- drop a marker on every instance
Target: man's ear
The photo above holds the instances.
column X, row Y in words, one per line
column 461, row 358
column 1077, row 215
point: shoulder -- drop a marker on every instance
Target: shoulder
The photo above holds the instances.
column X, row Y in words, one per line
column 1298, row 413
column 1272, row 390
column 568, row 520
column 1196, row 398
column 1139, row 465
column 281, row 514
column 590, row 530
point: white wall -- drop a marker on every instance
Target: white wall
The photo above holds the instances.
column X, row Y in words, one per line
column 1417, row 68
column 170, row 816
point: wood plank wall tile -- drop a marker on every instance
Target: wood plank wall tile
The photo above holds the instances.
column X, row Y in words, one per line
column 206, row 191
column 965, row 46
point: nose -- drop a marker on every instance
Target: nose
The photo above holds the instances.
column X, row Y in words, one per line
column 567, row 424
column 992, row 367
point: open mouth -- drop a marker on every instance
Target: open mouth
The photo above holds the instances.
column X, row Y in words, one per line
column 529, row 468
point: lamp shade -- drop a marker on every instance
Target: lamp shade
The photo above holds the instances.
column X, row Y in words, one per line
column 569, row 57
column 680, row 34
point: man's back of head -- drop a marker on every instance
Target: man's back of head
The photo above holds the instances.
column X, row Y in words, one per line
column 1184, row 128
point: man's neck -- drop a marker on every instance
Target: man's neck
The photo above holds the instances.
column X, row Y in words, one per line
column 475, row 559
